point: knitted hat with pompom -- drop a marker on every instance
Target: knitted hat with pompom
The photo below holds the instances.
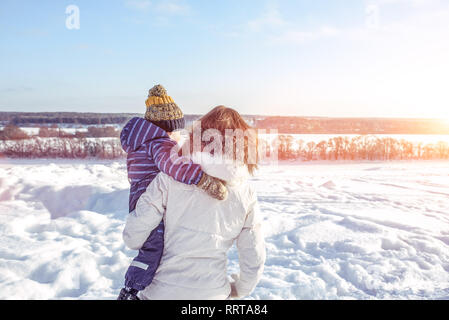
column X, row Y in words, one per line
column 163, row 111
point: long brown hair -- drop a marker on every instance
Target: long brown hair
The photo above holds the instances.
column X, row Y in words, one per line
column 223, row 119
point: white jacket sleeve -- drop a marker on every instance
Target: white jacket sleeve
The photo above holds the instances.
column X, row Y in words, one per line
column 252, row 255
column 148, row 214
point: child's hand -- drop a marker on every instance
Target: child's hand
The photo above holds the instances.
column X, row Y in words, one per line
column 214, row 187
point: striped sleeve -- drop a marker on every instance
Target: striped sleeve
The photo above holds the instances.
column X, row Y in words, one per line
column 182, row 169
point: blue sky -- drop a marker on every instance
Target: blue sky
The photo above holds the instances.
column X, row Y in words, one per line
column 352, row 58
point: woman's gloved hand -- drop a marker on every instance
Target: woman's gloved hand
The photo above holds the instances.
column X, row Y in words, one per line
column 214, row 187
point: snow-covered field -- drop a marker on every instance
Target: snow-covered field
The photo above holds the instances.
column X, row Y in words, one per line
column 415, row 138
column 372, row 230
column 68, row 128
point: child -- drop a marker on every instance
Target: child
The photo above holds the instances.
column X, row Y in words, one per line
column 149, row 151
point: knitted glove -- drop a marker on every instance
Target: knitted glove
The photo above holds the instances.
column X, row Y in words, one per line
column 214, row 187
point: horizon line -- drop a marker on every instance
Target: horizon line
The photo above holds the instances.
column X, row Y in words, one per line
column 246, row 115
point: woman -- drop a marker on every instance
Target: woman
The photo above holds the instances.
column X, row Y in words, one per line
column 199, row 230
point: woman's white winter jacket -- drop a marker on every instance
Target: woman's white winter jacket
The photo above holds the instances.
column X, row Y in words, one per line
column 199, row 230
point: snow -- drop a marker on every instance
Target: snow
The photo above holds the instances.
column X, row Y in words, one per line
column 414, row 138
column 334, row 230
column 67, row 128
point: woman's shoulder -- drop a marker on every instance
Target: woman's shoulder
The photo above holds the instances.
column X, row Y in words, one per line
column 168, row 182
column 244, row 193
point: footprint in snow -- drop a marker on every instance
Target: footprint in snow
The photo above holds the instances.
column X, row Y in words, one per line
column 329, row 185
column 373, row 169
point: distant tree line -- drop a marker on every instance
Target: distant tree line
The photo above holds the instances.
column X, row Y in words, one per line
column 12, row 132
column 75, row 118
column 337, row 148
column 365, row 147
column 362, row 126
column 284, row 124
column 68, row 148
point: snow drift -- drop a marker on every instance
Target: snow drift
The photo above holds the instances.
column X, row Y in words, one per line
column 375, row 230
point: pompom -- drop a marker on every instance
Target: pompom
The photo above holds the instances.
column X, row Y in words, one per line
column 157, row 91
